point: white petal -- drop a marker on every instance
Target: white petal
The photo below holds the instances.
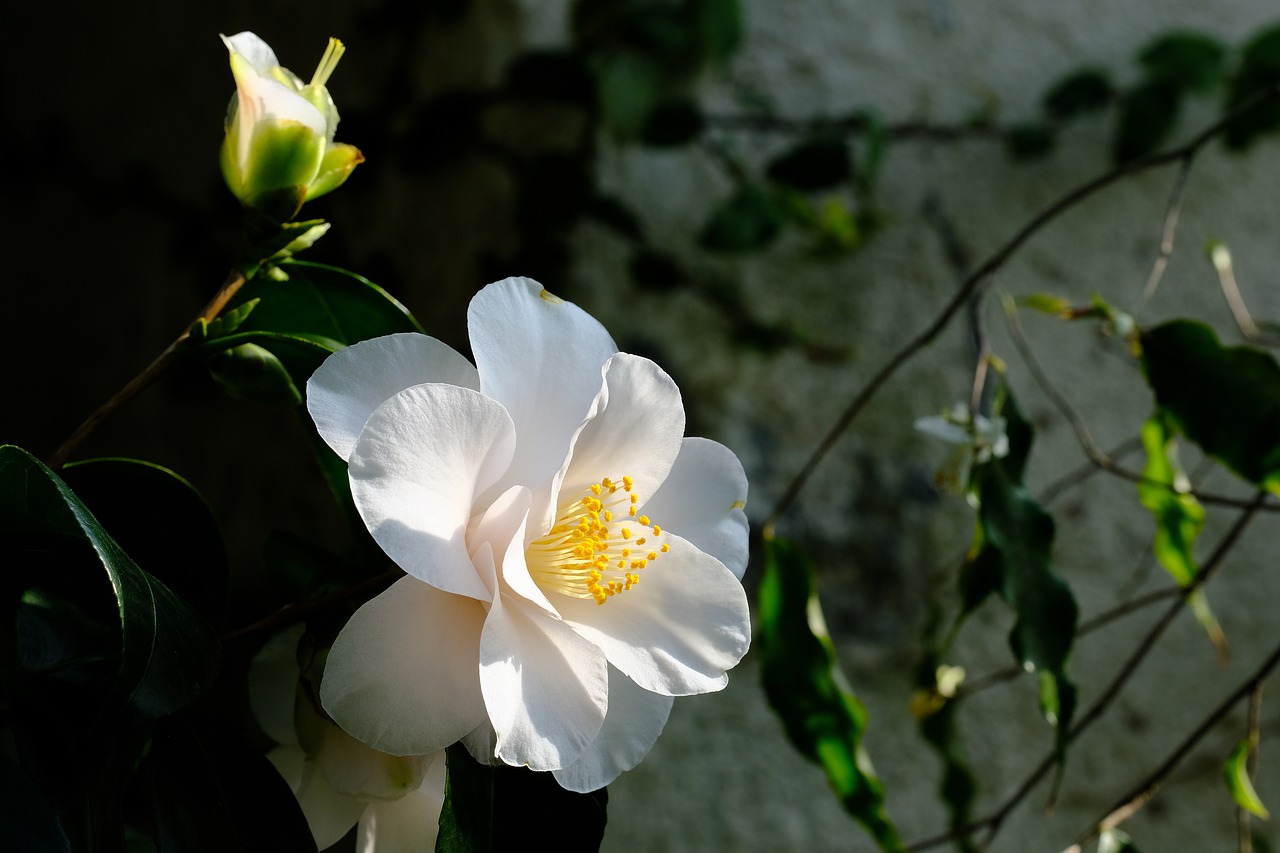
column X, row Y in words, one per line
column 540, row 357
column 678, row 630
column 329, row 814
column 545, row 687
column 288, row 762
column 634, row 429
column 273, row 683
column 351, row 383
column 409, row 824
column 403, row 675
column 636, row 717
column 702, row 501
column 943, row 428
column 355, row 770
column 481, row 742
column 422, row 458
column 254, row 49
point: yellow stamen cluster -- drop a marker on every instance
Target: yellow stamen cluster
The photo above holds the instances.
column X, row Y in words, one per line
column 589, row 554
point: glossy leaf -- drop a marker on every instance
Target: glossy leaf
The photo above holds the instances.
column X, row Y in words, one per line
column 27, row 822
column 162, row 522
column 1179, row 520
column 1258, row 71
column 1013, row 543
column 1236, row 774
column 750, row 219
column 169, row 654
column 489, row 809
column 1188, row 60
column 1148, row 114
column 812, row 165
column 1225, row 399
column 823, row 718
column 253, row 373
column 1083, row 92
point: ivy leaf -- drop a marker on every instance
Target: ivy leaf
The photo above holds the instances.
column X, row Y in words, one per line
column 673, row 123
column 1083, row 92
column 1189, row 61
column 487, row 809
column 1179, row 519
column 629, row 85
column 1147, row 116
column 1225, row 399
column 823, row 718
column 816, row 164
column 1236, row 774
column 169, row 655
column 1013, row 543
column 1029, row 141
column 750, row 219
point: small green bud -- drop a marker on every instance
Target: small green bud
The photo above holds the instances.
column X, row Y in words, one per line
column 279, row 150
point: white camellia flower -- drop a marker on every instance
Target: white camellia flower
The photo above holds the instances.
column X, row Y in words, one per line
column 394, row 801
column 279, row 149
column 573, row 561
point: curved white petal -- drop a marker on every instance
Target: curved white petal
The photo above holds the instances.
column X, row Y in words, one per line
column 545, row 687
column 329, row 814
column 273, row 684
column 351, row 383
column 636, row 717
column 678, row 630
column 540, row 357
column 409, row 824
column 703, row 499
column 634, row 428
column 403, row 675
column 258, row 53
column 288, row 760
column 420, row 461
column 355, row 770
column 482, row 742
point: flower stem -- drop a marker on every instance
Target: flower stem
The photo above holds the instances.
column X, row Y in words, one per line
column 235, row 280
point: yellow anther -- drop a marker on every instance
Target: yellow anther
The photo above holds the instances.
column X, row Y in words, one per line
column 652, row 555
column 641, row 541
column 665, row 548
column 608, row 516
column 631, row 512
column 657, row 531
column 595, row 489
column 644, row 519
column 627, row 483
column 635, row 499
column 626, row 552
column 626, row 533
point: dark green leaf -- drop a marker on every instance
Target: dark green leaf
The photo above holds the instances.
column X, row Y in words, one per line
column 1147, row 116
column 875, row 141
column 1029, row 141
column 1189, row 61
column 1083, row 92
column 673, row 123
column 1179, row 519
column 303, row 570
column 489, row 809
column 1236, row 773
column 657, row 271
column 812, row 165
column 169, row 654
column 1258, row 72
column 823, row 719
column 629, row 86
column 1225, row 399
column 228, row 321
column 27, row 822
column 253, row 373
column 1014, row 541
column 749, row 220
column 162, row 522
column 719, row 27
column 57, row 637
column 213, row 792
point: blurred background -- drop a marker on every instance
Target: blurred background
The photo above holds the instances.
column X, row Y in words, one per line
column 769, row 200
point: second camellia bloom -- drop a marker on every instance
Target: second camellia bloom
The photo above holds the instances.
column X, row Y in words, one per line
column 574, row 562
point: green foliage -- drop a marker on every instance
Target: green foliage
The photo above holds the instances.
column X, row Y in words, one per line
column 676, row 122
column 1148, row 114
column 489, row 809
column 1179, row 519
column 1029, row 141
column 815, row 164
column 251, row 372
column 1257, row 74
column 1225, row 399
column 823, row 718
column 1012, row 553
column 1236, row 774
column 1185, row 60
column 750, row 219
column 1086, row 91
column 168, row 654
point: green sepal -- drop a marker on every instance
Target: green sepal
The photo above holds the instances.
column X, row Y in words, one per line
column 284, row 158
column 823, row 718
column 1236, row 774
column 340, row 160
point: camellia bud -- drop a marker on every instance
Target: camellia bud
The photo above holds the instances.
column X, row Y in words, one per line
column 279, row 150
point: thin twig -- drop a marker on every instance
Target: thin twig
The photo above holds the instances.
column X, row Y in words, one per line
column 1167, row 233
column 1220, row 256
column 1145, row 791
column 235, row 280
column 979, row 277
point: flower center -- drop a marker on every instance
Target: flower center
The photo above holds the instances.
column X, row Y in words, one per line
column 598, row 544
